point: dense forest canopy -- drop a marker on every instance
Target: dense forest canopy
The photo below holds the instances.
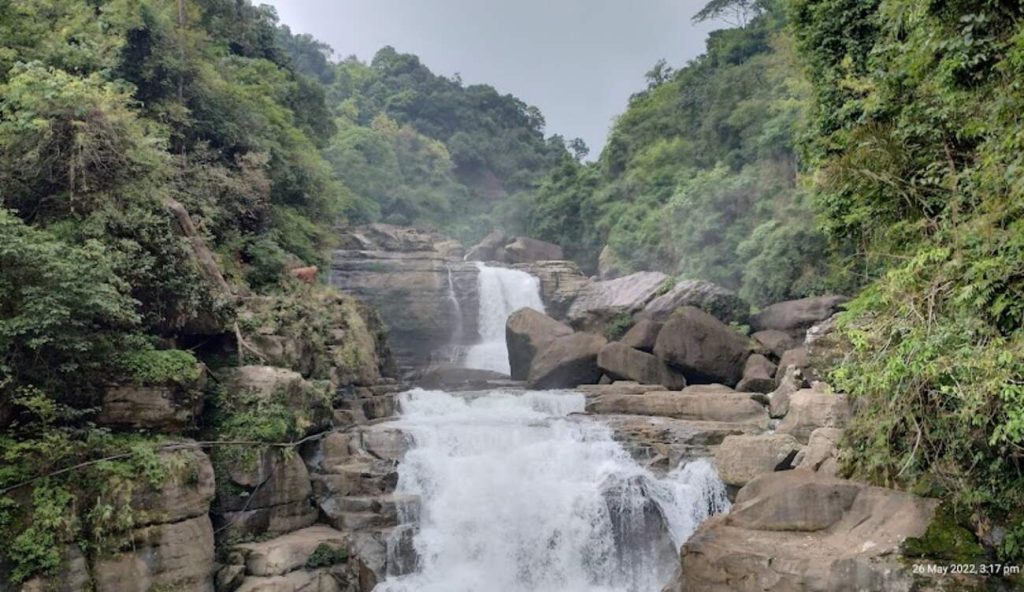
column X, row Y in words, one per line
column 158, row 160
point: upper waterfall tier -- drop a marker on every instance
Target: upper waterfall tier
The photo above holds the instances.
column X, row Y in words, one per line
column 502, row 291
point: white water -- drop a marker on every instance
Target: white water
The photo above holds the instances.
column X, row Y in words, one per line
column 517, row 496
column 502, row 292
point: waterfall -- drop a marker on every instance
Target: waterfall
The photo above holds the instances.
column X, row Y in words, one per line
column 502, row 292
column 455, row 341
column 518, row 494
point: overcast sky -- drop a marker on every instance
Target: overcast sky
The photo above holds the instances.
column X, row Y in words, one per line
column 578, row 60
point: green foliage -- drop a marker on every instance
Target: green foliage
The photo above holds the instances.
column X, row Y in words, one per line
column 946, row 539
column 699, row 176
column 325, row 556
column 157, row 367
column 618, row 326
column 918, row 142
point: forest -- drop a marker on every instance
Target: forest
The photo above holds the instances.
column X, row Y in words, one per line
column 866, row 147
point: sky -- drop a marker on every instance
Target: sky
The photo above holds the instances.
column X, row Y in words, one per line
column 577, row 60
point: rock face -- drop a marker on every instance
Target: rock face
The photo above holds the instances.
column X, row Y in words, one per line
column 713, row 299
column 599, row 303
column 253, row 386
column 703, row 347
column 567, row 361
column 740, row 459
column 560, row 283
column 165, row 408
column 408, row 275
column 620, row 361
column 758, row 375
column 527, row 331
column 797, row 530
column 811, row 409
column 487, row 249
column 796, row 316
column 268, row 494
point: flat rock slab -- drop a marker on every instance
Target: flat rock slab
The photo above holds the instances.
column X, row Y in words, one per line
column 742, row 458
column 662, row 443
column 728, row 407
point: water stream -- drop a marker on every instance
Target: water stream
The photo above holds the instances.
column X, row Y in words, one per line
column 518, row 495
column 502, row 292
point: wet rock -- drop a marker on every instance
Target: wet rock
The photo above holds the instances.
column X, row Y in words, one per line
column 600, row 303
column 662, row 443
column 566, row 362
column 713, row 299
column 527, row 331
column 618, row 387
column 739, row 459
column 460, row 379
column 796, row 316
column 810, row 409
column 758, row 375
column 643, row 335
column 623, row 362
column 560, row 283
column 703, row 347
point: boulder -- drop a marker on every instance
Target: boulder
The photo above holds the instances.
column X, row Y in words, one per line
column 796, row 316
column 174, row 556
column 822, row 452
column 618, row 387
column 662, row 443
column 172, row 406
column 288, row 552
column 311, row 580
column 792, row 358
column 600, row 303
column 758, row 375
column 791, row 382
column 623, row 362
column 265, row 492
column 560, row 283
column 643, row 335
column 524, row 250
column 797, row 530
column 776, row 342
column 461, row 379
column 703, row 347
column 729, row 407
column 248, row 388
column 186, row 491
column 810, row 409
column 739, row 459
column 567, row 361
column 527, row 331
column 609, row 265
column 713, row 299
column 486, row 249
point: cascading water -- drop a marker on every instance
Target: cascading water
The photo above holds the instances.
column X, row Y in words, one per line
column 517, row 495
column 502, row 292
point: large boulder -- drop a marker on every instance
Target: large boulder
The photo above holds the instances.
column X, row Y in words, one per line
column 705, row 349
column 524, row 250
column 623, row 362
column 643, row 335
column 774, row 341
column 798, row 530
column 822, row 452
column 796, row 316
column 739, row 459
column 288, row 552
column 527, row 331
column 263, row 492
column 713, row 299
column 567, row 361
column 609, row 264
column 487, row 249
column 167, row 404
column 601, row 303
column 724, row 406
column 758, row 375
column 810, row 409
column 560, row 283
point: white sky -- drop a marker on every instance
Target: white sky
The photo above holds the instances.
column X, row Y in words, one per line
column 577, row 60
